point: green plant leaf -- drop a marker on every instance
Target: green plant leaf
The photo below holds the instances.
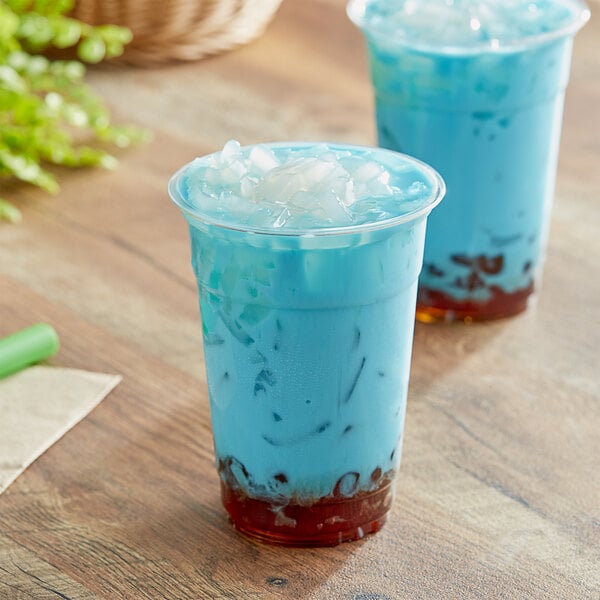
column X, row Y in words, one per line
column 9, row 212
column 46, row 108
column 67, row 32
column 11, row 81
column 9, row 23
column 36, row 29
column 92, row 49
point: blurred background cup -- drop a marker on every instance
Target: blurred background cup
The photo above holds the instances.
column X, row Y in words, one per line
column 307, row 342
column 476, row 89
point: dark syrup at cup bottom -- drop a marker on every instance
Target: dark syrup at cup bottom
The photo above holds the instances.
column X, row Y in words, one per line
column 327, row 521
column 474, row 276
column 435, row 305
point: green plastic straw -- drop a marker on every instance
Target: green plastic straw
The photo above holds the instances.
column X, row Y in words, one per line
column 27, row 347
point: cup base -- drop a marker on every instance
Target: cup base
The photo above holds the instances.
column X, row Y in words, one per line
column 434, row 306
column 327, row 522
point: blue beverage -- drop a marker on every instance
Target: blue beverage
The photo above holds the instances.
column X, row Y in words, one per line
column 307, row 338
column 476, row 89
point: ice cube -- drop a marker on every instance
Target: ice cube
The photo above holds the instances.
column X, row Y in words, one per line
column 303, row 201
column 239, row 166
column 367, row 171
column 314, row 171
column 230, row 176
column 416, row 188
column 332, row 199
column 351, row 163
column 263, row 216
column 283, row 217
column 374, row 188
column 247, row 186
column 212, row 176
column 277, row 187
column 231, row 150
column 261, row 160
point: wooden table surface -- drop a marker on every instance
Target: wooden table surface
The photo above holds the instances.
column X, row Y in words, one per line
column 499, row 490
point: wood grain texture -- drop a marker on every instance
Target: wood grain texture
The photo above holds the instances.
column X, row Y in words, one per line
column 498, row 495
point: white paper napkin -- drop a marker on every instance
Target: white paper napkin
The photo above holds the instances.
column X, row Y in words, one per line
column 38, row 406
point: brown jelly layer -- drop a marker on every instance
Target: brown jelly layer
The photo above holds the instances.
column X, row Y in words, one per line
column 434, row 305
column 326, row 522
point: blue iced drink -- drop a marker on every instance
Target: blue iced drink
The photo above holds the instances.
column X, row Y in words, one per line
column 307, row 259
column 476, row 89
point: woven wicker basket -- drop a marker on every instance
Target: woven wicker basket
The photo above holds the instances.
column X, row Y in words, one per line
column 166, row 30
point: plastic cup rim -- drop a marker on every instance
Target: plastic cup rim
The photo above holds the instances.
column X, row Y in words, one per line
column 435, row 197
column 355, row 12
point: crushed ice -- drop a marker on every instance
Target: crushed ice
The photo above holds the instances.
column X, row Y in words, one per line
column 463, row 23
column 316, row 186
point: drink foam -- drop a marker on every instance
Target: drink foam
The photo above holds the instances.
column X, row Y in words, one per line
column 305, row 186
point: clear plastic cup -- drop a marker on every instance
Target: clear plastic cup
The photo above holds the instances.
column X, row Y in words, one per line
column 486, row 113
column 307, row 342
